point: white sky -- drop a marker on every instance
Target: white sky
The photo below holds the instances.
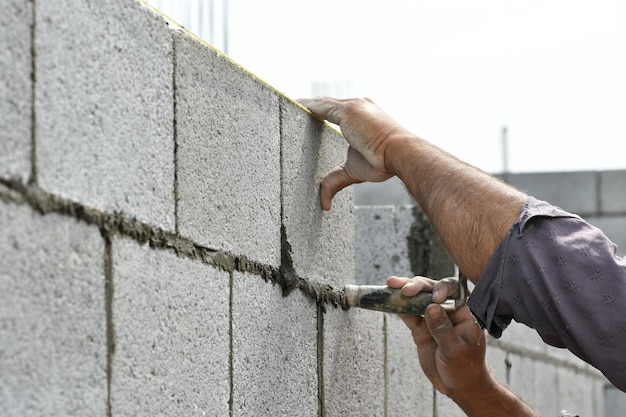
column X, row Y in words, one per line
column 456, row 71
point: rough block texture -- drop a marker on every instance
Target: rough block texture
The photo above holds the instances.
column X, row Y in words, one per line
column 274, row 350
column 409, row 392
column 612, row 196
column 171, row 318
column 354, row 369
column 228, row 155
column 53, row 352
column 397, row 241
column 321, row 244
column 15, row 88
column 104, row 109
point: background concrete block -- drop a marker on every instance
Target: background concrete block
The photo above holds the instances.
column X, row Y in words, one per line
column 612, row 196
column 104, row 107
column 171, row 318
column 354, row 376
column 545, row 397
column 409, row 392
column 15, row 88
column 521, row 378
column 391, row 192
column 615, row 401
column 228, row 138
column 53, row 352
column 575, row 192
column 397, row 241
column 614, row 227
column 321, row 243
column 274, row 350
column 497, row 360
column 381, row 244
column 522, row 336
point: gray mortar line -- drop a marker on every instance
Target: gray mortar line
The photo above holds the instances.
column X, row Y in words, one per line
column 175, row 130
column 385, row 366
column 108, row 304
column 33, row 79
column 157, row 238
column 321, row 399
column 231, row 355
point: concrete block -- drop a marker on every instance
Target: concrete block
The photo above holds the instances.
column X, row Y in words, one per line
column 381, row 244
column 575, row 192
column 171, row 318
column 545, row 398
column 409, row 392
column 321, row 243
column 521, row 378
column 15, row 88
column 228, row 153
column 612, row 196
column 53, row 351
column 614, row 227
column 274, row 350
column 104, row 132
column 391, row 192
column 354, row 374
column 498, row 363
column 575, row 391
column 397, row 241
column 521, row 336
column 614, row 401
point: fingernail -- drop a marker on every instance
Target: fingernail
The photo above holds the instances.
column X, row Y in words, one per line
column 436, row 294
column 434, row 312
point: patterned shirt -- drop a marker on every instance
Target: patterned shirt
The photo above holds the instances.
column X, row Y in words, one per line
column 561, row 276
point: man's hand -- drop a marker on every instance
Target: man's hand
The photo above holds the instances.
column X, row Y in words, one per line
column 367, row 129
column 451, row 349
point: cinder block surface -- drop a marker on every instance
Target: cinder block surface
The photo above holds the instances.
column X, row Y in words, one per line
column 615, row 401
column 391, row 192
column 497, row 360
column 321, row 243
column 397, row 241
column 274, row 350
column 53, row 350
column 381, row 243
column 104, row 107
column 15, row 88
column 521, row 336
column 228, row 138
column 171, row 318
column 409, row 392
column 354, row 377
column 612, row 197
column 575, row 192
column 447, row 407
column 522, row 376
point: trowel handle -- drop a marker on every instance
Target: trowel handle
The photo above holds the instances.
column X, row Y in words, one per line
column 389, row 300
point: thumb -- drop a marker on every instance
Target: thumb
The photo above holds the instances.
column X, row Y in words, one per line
column 335, row 181
column 440, row 327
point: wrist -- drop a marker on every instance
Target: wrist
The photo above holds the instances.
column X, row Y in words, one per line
column 399, row 146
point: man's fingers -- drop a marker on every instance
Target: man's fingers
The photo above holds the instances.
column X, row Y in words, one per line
column 324, row 107
column 441, row 328
column 335, row 181
column 445, row 288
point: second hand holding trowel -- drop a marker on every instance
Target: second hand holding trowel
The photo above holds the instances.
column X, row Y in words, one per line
column 391, row 300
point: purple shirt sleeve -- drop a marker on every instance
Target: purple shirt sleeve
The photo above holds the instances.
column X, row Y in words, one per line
column 561, row 276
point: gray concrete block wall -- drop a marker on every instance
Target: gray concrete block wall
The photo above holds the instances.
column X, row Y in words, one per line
column 164, row 248
column 53, row 353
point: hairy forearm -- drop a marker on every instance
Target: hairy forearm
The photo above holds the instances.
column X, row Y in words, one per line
column 471, row 210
